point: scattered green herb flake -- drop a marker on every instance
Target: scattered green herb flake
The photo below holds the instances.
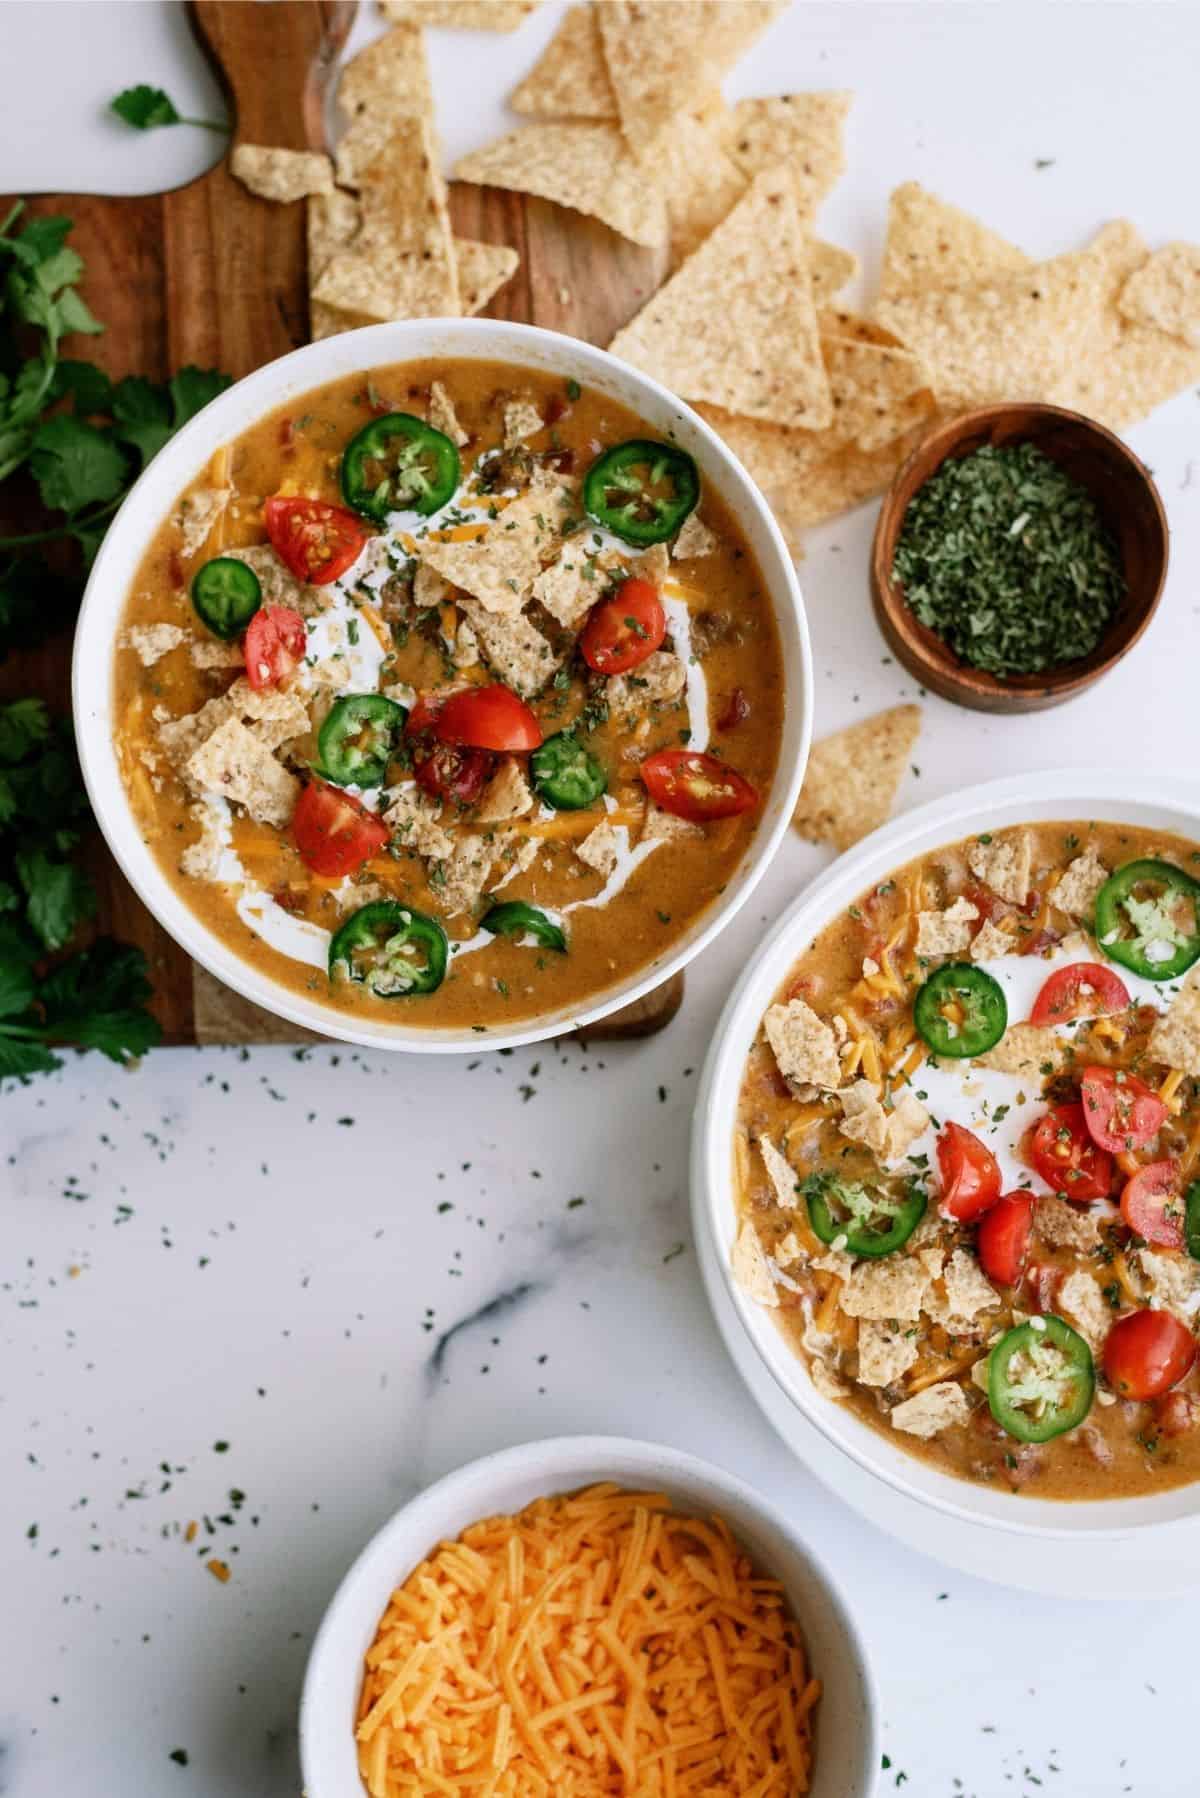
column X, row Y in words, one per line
column 146, row 108
column 1006, row 558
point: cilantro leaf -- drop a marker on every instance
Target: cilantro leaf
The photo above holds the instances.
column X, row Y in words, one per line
column 192, row 389
column 86, row 385
column 24, row 724
column 95, row 998
column 16, row 989
column 20, row 1058
column 58, row 896
column 75, row 464
column 145, row 107
column 141, row 415
column 34, row 602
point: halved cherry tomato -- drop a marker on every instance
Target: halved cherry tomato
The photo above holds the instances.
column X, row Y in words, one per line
column 1147, row 1353
column 317, row 541
column 1003, row 1240
column 1176, row 1414
column 1084, row 989
column 1066, row 1157
column 422, row 719
column 275, row 641
column 487, row 718
column 334, row 833
column 1121, row 1112
column 1041, row 1285
column 450, row 772
column 624, row 629
column 970, row 1174
column 697, row 787
column 1152, row 1204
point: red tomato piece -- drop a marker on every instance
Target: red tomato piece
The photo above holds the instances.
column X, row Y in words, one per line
column 1147, row 1353
column 1066, row 1157
column 317, row 541
column 1152, row 1204
column 1085, row 989
column 622, row 630
column 970, row 1174
column 275, row 641
column 449, row 772
column 423, row 718
column 1042, row 1285
column 1175, row 1415
column 1121, row 1112
column 735, row 712
column 1003, row 1240
column 334, row 833
column 697, row 787
column 487, row 718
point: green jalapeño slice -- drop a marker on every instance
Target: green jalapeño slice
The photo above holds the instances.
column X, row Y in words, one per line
column 226, row 595
column 868, row 1218
column 515, row 918
column 565, row 774
column 641, row 491
column 1040, row 1380
column 398, row 463
column 960, row 1011
column 1148, row 919
column 395, row 952
column 358, row 739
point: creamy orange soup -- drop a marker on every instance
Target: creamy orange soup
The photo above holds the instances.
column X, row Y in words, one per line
column 498, row 588
column 941, row 1231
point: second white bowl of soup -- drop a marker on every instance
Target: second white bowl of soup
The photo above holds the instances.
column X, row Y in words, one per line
column 443, row 684
column 1026, row 1362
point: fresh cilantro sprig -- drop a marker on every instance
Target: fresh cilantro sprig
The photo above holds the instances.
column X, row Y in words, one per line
column 146, row 108
column 95, row 997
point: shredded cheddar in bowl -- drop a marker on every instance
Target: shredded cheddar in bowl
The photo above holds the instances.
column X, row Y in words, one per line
column 598, row 1643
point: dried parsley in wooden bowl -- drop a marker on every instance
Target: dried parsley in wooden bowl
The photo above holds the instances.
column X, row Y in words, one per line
column 1020, row 553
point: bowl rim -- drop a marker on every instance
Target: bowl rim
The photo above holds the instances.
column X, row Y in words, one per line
column 247, row 401
column 559, row 1464
column 890, row 604
column 913, row 833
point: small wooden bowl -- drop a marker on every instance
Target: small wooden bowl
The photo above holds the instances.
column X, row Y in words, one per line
column 1128, row 501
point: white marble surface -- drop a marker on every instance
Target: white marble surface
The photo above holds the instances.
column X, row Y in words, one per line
column 359, row 1272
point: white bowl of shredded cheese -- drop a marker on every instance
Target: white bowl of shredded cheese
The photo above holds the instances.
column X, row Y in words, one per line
column 843, row 1719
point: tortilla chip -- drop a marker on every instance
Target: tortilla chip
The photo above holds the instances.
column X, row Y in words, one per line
column 483, row 268
column 846, row 479
column 834, row 321
column 570, row 78
column 801, row 133
column 700, row 184
column 877, row 392
column 1165, row 292
column 459, row 15
column 831, row 267
column 933, row 244
column 853, row 776
column 736, row 325
column 333, row 222
column 402, row 263
column 498, row 568
column 386, row 82
column 1018, row 335
column 585, row 166
column 281, row 175
column 1120, row 371
column 659, row 55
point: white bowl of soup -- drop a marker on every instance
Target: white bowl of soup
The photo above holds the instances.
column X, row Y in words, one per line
column 443, row 683
column 543, row 1591
column 947, row 1150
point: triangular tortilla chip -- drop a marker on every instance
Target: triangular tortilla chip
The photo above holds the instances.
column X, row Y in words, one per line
column 700, row 184
column 386, row 82
column 459, row 15
column 570, row 78
column 801, row 133
column 853, row 776
column 401, row 264
column 930, row 243
column 736, row 325
column 1165, row 292
column 836, row 321
column 585, row 166
column 830, row 267
column 333, row 220
column 1017, row 336
column 875, row 391
column 483, row 268
column 658, row 55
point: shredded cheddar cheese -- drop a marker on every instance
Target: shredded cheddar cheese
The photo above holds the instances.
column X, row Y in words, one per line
column 599, row 1643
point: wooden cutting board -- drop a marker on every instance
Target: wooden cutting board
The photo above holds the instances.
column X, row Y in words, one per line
column 211, row 275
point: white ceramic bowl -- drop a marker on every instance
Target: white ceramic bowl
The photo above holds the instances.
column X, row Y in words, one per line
column 1118, row 796
column 473, row 339
column 847, row 1746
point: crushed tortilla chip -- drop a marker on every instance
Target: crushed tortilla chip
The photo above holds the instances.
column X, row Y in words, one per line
column 459, row 15
column 736, row 326
column 658, row 55
column 281, row 175
column 1165, row 292
column 587, row 166
column 801, row 133
column 930, row 243
column 570, row 78
column 853, row 777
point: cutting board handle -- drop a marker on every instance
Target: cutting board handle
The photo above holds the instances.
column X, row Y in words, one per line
column 275, row 60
